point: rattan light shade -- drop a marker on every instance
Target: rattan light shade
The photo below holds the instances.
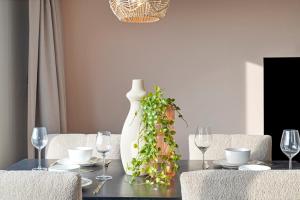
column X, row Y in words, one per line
column 139, row 11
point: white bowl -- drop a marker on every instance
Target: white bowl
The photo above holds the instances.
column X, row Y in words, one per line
column 237, row 155
column 80, row 154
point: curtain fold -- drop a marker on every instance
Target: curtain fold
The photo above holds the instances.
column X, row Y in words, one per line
column 46, row 79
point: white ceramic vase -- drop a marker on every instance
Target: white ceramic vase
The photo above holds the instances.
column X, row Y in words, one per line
column 132, row 124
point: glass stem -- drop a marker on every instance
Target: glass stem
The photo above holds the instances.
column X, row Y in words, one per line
column 203, row 163
column 104, row 168
column 290, row 163
column 40, row 159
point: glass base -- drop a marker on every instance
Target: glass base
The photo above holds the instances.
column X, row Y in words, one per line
column 206, row 165
column 103, row 178
column 40, row 169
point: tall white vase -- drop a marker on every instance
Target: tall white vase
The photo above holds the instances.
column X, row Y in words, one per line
column 132, row 124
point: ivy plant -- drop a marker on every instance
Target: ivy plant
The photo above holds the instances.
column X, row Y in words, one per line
column 158, row 168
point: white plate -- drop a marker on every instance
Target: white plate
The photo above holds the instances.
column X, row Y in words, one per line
column 225, row 164
column 63, row 168
column 91, row 162
column 254, row 167
column 85, row 182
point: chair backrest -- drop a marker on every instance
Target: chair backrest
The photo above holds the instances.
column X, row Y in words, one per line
column 240, row 185
column 260, row 145
column 58, row 144
column 34, row 185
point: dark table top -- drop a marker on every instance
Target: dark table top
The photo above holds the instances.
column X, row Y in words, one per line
column 120, row 188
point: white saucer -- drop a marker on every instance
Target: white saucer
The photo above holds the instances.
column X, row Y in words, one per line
column 254, row 167
column 93, row 161
column 85, row 182
column 63, row 168
column 225, row 164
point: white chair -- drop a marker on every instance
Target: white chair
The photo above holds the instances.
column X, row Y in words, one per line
column 260, row 145
column 240, row 185
column 58, row 144
column 33, row 185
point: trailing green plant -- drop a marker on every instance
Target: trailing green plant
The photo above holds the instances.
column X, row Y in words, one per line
column 150, row 161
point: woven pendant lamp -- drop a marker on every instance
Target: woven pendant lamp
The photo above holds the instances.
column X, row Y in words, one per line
column 139, row 11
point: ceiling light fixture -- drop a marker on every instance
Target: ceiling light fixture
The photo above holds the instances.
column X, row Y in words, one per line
column 139, row 11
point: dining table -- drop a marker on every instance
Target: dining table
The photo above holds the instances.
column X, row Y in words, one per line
column 121, row 188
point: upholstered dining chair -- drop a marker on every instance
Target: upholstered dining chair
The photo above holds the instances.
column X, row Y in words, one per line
column 34, row 185
column 260, row 145
column 58, row 144
column 240, row 185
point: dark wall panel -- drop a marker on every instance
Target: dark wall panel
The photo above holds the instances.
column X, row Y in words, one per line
column 281, row 99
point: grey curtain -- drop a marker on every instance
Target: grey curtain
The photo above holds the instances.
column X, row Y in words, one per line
column 46, row 79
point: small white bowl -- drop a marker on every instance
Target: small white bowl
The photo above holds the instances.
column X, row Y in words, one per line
column 237, row 156
column 80, row 154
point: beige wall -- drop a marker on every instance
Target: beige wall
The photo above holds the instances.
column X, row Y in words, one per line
column 206, row 54
column 13, row 84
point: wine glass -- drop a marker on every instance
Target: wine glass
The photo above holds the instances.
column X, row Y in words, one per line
column 39, row 140
column 203, row 139
column 290, row 144
column 103, row 147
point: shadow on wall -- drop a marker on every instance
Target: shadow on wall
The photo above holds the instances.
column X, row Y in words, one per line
column 15, row 48
column 253, row 102
column 20, row 47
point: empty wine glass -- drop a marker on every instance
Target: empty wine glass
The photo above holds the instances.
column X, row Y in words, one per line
column 103, row 147
column 39, row 140
column 203, row 139
column 290, row 144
